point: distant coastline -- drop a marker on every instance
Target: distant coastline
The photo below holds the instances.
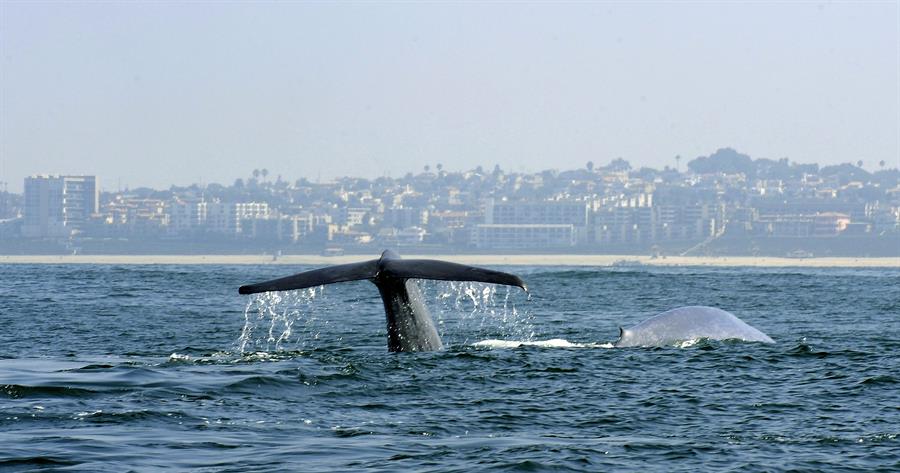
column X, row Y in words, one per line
column 476, row 259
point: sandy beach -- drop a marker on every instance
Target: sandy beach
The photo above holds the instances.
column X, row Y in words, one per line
column 485, row 260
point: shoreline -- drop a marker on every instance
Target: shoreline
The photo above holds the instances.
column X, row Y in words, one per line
column 483, row 260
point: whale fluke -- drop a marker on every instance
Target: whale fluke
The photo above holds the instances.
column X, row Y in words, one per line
column 689, row 323
column 316, row 277
column 446, row 271
column 410, row 327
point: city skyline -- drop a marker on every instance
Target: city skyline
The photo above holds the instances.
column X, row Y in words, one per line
column 678, row 162
column 725, row 203
column 151, row 94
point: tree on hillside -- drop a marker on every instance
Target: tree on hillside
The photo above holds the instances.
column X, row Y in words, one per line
column 646, row 173
column 801, row 169
column 618, row 165
column 771, row 169
column 845, row 173
column 725, row 161
column 887, row 178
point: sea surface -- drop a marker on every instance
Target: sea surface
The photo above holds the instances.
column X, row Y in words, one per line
column 167, row 368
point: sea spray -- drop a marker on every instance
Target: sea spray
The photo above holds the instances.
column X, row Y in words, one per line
column 270, row 319
column 464, row 312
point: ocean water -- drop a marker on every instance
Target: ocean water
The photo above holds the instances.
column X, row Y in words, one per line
column 147, row 368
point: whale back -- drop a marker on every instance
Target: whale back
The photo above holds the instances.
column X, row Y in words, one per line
column 689, row 323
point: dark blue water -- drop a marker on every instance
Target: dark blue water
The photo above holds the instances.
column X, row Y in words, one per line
column 118, row 368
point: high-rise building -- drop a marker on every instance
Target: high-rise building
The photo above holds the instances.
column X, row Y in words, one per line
column 562, row 212
column 227, row 218
column 58, row 206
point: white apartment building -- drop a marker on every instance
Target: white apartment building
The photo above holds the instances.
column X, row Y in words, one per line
column 227, row 217
column 186, row 216
column 524, row 236
column 563, row 212
column 58, row 206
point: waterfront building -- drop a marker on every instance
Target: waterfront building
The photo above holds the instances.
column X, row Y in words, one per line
column 804, row 225
column 625, row 225
column 524, row 236
column 353, row 216
column 404, row 217
column 830, row 223
column 687, row 222
column 229, row 218
column 186, row 216
column 132, row 217
column 411, row 236
column 551, row 212
column 296, row 227
column 58, row 206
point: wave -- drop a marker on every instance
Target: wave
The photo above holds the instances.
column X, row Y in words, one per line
column 231, row 358
column 702, row 343
column 586, row 274
column 18, row 391
column 39, row 461
column 130, row 416
column 880, row 379
column 553, row 343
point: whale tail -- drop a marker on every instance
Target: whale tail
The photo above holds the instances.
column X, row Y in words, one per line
column 389, row 266
column 409, row 325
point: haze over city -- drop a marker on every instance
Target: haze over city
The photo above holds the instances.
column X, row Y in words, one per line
column 161, row 94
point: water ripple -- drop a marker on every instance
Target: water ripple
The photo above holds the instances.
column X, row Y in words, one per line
column 115, row 370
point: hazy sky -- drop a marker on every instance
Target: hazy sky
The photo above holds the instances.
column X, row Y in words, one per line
column 160, row 93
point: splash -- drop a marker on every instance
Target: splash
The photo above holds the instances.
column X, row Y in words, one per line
column 467, row 311
column 463, row 312
column 270, row 319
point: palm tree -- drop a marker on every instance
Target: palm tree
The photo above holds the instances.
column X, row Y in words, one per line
column 256, row 174
column 264, row 172
column 427, row 168
column 881, row 164
column 590, row 166
column 440, row 167
column 859, row 163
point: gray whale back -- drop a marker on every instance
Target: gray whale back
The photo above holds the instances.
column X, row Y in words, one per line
column 689, row 323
